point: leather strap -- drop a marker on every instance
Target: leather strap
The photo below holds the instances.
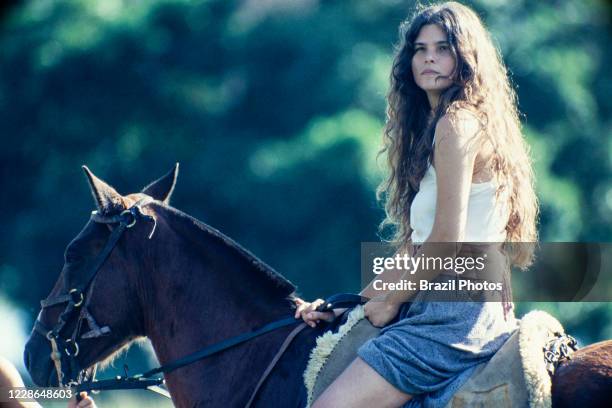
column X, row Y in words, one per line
column 55, row 301
column 272, row 364
column 217, row 347
column 342, row 300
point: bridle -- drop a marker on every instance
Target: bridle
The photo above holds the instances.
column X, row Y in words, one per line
column 64, row 350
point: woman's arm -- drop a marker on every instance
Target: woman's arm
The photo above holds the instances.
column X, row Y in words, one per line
column 10, row 378
column 456, row 149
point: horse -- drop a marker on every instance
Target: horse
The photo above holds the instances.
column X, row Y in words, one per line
column 184, row 285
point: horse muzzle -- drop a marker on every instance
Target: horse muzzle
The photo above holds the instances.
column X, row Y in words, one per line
column 37, row 360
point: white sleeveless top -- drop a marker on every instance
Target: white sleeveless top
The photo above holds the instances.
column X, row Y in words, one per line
column 486, row 220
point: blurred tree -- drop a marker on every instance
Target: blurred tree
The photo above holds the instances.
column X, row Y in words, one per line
column 274, row 110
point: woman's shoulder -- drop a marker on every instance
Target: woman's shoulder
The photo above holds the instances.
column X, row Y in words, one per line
column 461, row 128
column 464, row 122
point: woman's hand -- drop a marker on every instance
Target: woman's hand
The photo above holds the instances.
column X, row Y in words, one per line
column 380, row 312
column 86, row 402
column 307, row 310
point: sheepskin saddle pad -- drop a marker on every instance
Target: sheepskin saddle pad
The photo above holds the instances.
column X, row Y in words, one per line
column 516, row 376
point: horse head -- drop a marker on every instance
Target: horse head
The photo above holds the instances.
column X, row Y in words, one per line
column 95, row 306
column 140, row 268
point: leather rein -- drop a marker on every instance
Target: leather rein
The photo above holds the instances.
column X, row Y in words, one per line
column 65, row 350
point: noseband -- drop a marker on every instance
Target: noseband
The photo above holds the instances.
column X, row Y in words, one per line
column 64, row 350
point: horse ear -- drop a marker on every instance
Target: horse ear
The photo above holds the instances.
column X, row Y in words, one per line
column 107, row 199
column 162, row 188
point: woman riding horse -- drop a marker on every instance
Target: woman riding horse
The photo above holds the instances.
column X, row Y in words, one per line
column 459, row 173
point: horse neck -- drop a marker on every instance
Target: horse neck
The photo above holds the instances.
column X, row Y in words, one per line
column 203, row 290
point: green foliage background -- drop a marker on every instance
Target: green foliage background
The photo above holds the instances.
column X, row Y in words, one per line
column 274, row 110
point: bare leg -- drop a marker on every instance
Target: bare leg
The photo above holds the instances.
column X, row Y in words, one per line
column 360, row 385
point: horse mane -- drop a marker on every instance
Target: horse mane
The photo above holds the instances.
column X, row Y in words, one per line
column 278, row 281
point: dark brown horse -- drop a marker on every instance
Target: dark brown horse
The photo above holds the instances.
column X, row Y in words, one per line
column 185, row 285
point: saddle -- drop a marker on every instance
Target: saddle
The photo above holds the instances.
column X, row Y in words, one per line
column 518, row 375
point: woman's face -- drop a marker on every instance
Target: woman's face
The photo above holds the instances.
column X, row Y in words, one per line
column 432, row 59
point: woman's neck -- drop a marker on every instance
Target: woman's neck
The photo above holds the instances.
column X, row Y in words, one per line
column 433, row 98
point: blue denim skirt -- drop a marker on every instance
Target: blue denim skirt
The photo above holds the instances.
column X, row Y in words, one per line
column 434, row 347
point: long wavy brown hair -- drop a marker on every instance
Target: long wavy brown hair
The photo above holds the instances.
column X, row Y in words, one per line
column 480, row 85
